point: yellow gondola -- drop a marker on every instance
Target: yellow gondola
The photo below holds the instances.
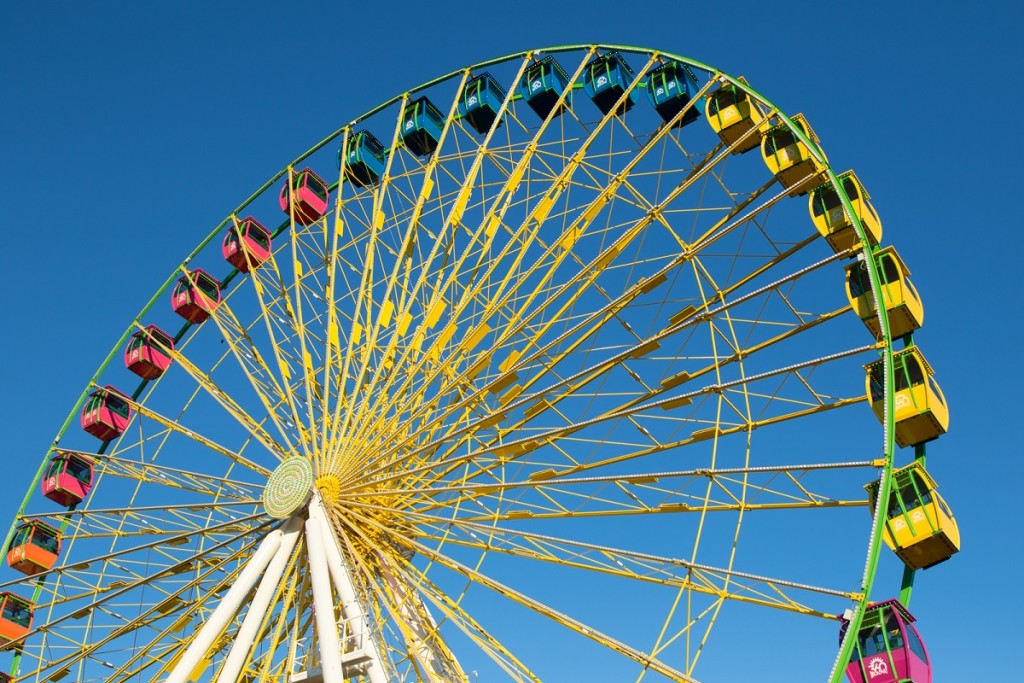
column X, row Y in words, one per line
column 831, row 220
column 732, row 113
column 903, row 305
column 921, row 412
column 789, row 159
column 919, row 526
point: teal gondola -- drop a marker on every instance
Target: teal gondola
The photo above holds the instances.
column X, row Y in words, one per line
column 421, row 126
column 605, row 81
column 364, row 158
column 480, row 102
column 542, row 85
column 671, row 88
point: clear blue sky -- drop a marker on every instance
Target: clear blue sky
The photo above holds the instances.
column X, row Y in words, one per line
column 128, row 130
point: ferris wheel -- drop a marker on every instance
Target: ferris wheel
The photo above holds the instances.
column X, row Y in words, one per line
column 568, row 365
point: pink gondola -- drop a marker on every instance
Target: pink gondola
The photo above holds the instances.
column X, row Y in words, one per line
column 247, row 244
column 195, row 297
column 888, row 647
column 68, row 478
column 310, row 196
column 148, row 352
column 106, row 413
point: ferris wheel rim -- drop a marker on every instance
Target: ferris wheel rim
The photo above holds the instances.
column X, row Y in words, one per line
column 874, row 545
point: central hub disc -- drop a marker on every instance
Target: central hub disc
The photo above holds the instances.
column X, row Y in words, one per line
column 289, row 488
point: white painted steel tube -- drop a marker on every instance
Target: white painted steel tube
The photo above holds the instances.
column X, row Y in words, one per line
column 227, row 608
column 257, row 610
column 350, row 605
column 323, row 602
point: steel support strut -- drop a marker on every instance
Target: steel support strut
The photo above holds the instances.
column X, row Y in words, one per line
column 323, row 602
column 227, row 608
column 244, row 639
column 351, row 608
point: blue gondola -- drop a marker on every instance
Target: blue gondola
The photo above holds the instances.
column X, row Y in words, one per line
column 671, row 87
column 605, row 80
column 542, row 85
column 481, row 99
column 364, row 158
column 421, row 126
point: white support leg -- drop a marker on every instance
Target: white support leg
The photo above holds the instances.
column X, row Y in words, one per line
column 227, row 608
column 351, row 607
column 323, row 602
column 240, row 649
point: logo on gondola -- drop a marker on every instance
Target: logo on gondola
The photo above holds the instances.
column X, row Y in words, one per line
column 408, row 124
column 472, row 100
column 659, row 91
column 917, row 516
column 902, row 401
column 601, row 80
column 877, row 667
column 535, row 85
column 898, row 524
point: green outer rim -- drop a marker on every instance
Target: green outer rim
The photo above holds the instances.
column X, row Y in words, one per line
column 874, row 276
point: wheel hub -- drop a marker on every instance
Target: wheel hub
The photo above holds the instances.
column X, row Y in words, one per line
column 289, row 488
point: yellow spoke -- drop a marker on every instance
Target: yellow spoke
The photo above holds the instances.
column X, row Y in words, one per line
column 178, row 428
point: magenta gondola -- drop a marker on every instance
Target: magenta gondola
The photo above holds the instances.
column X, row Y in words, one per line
column 309, row 197
column 888, row 648
column 247, row 244
column 106, row 413
column 67, row 479
column 148, row 353
column 196, row 296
